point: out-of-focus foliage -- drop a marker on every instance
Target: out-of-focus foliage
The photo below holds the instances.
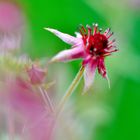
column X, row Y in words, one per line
column 103, row 114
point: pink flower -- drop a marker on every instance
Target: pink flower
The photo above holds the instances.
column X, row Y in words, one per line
column 10, row 16
column 91, row 46
column 32, row 118
column 36, row 74
column 11, row 24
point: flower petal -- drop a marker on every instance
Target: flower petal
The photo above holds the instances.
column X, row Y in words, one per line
column 102, row 69
column 36, row 74
column 65, row 37
column 69, row 55
column 89, row 73
column 78, row 35
column 86, row 60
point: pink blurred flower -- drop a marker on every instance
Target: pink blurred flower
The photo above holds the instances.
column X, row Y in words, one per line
column 32, row 118
column 11, row 22
column 91, row 46
column 10, row 16
column 36, row 74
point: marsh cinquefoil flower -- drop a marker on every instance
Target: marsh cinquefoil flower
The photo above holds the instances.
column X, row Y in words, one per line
column 36, row 74
column 90, row 45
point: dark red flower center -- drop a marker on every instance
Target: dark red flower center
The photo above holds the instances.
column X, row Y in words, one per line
column 96, row 43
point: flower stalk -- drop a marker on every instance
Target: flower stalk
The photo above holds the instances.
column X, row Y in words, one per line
column 46, row 98
column 70, row 90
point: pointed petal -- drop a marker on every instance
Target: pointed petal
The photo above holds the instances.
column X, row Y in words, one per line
column 69, row 55
column 102, row 69
column 65, row 37
column 79, row 44
column 89, row 73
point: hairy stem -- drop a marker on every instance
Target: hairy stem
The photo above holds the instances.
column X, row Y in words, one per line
column 46, row 98
column 70, row 90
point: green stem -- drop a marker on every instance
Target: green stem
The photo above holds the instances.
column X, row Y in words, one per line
column 70, row 90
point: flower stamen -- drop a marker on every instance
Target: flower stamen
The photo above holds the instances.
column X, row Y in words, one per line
column 107, row 31
column 95, row 28
column 110, row 35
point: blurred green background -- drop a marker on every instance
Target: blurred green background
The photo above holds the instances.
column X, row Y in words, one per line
column 104, row 114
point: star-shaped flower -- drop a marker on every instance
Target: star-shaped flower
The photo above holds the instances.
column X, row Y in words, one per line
column 91, row 46
column 36, row 74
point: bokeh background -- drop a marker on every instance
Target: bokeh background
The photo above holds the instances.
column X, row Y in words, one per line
column 103, row 113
